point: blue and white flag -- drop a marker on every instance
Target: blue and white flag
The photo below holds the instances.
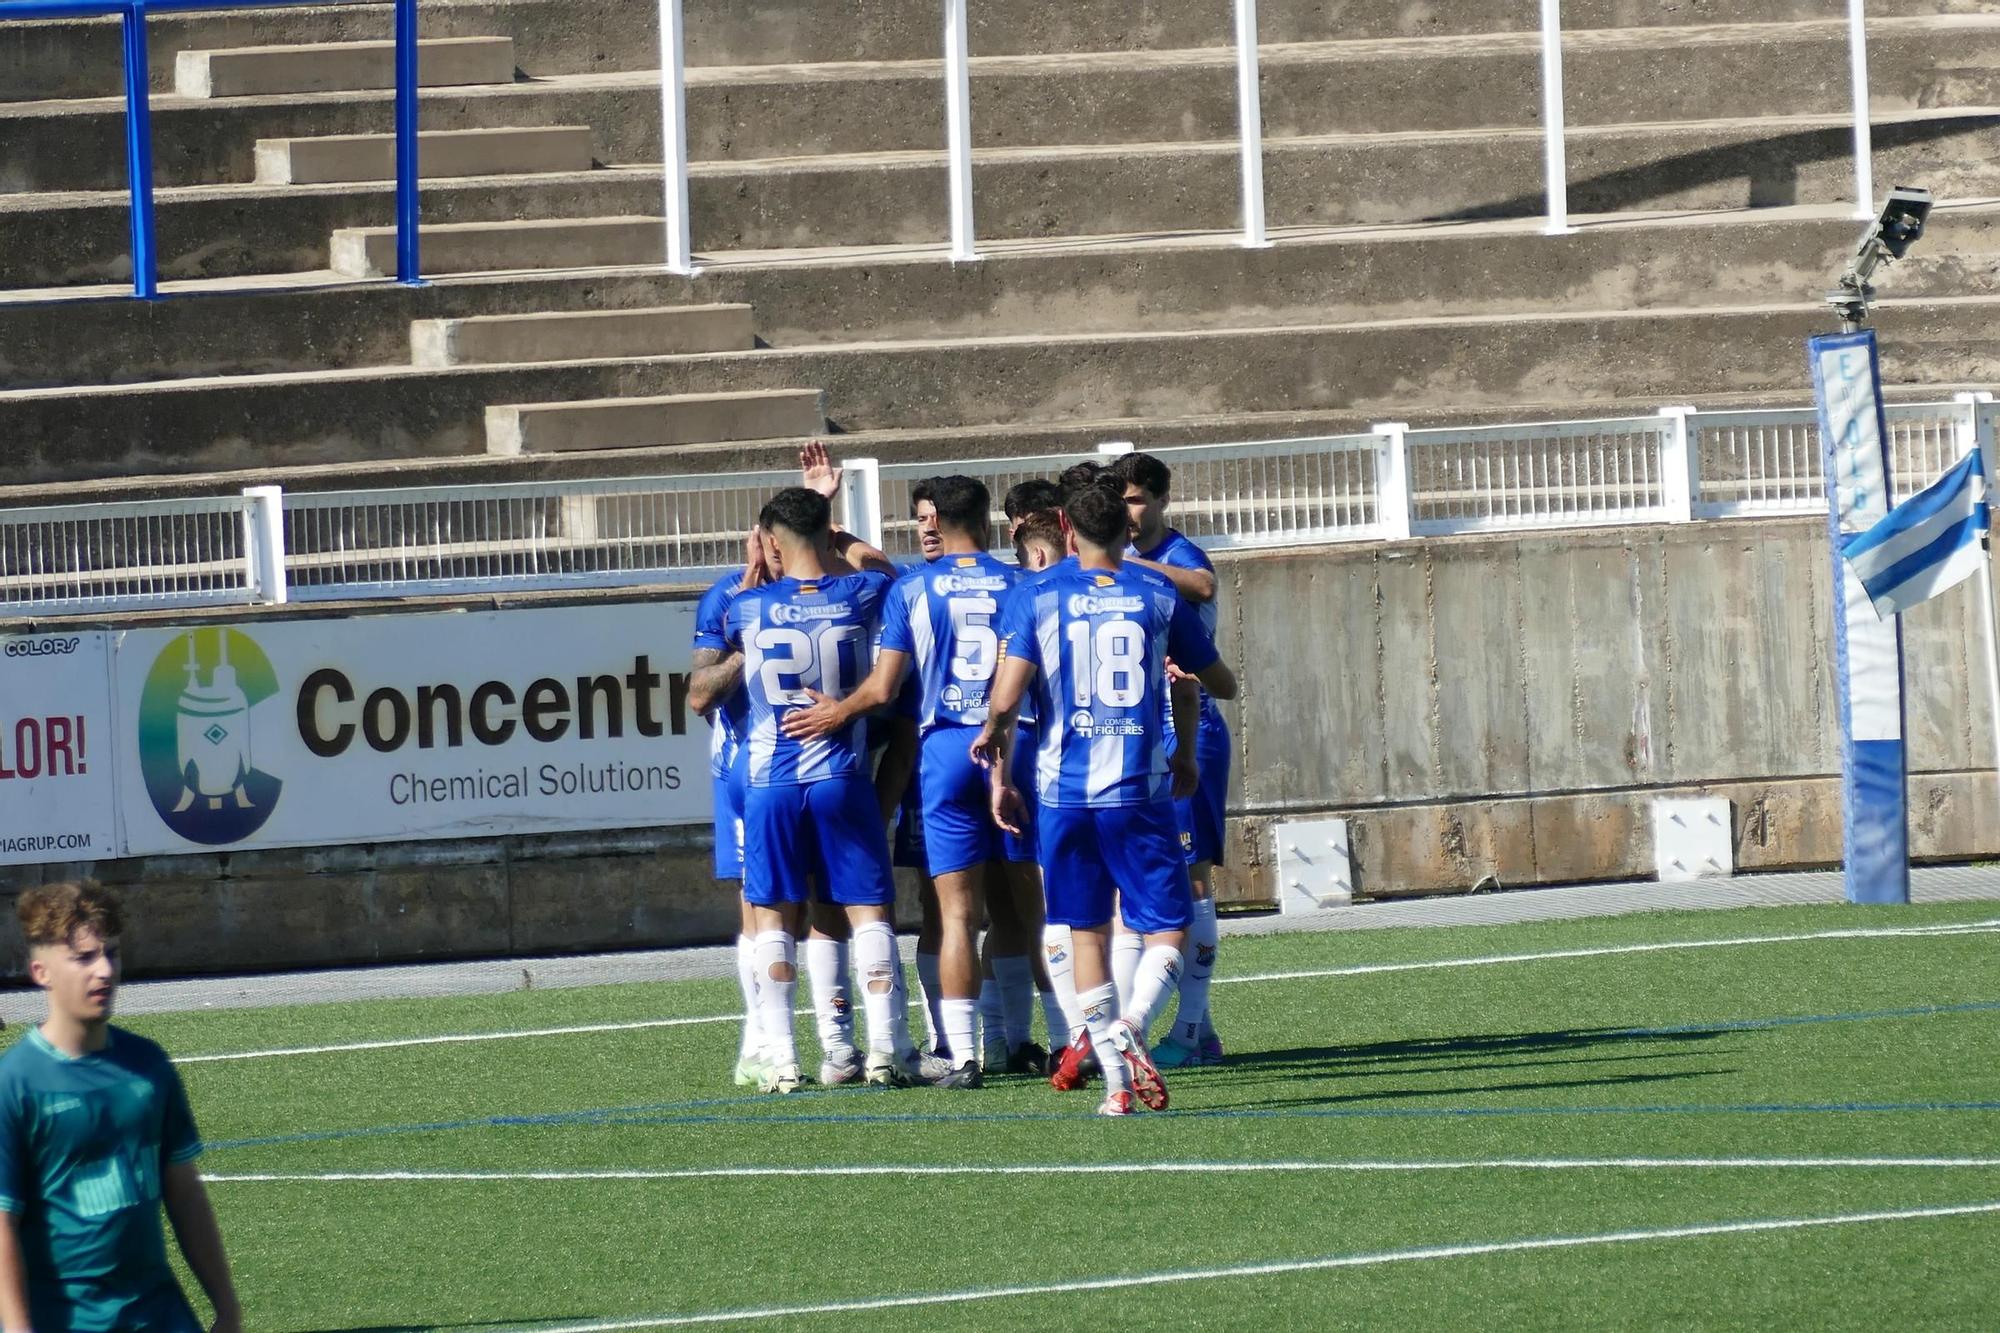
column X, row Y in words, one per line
column 1926, row 544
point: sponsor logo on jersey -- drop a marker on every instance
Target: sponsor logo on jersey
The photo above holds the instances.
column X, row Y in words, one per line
column 946, row 584
column 1088, row 604
column 784, row 613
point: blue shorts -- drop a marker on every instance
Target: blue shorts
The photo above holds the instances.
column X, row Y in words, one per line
column 1203, row 817
column 1089, row 856
column 831, row 829
column 728, row 790
column 959, row 831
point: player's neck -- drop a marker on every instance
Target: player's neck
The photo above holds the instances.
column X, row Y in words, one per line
column 1091, row 557
column 1145, row 543
column 76, row 1037
column 807, row 563
column 955, row 543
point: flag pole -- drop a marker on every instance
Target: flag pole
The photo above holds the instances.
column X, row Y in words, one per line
column 1992, row 643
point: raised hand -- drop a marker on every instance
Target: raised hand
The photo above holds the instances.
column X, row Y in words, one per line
column 816, row 469
column 756, row 570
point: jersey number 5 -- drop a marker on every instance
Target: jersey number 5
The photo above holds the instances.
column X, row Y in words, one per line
column 1108, row 659
column 976, row 646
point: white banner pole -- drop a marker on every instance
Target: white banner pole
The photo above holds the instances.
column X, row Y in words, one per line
column 958, row 129
column 1554, row 156
column 673, row 138
column 1864, row 157
column 1250, row 118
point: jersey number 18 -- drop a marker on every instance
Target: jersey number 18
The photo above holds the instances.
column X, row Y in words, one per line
column 1108, row 661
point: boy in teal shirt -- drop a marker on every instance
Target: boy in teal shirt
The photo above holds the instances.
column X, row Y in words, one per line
column 95, row 1134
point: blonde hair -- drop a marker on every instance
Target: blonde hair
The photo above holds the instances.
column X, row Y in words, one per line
column 54, row 913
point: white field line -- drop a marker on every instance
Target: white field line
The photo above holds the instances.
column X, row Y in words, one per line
column 1118, row 1169
column 1361, row 969
column 1267, row 1269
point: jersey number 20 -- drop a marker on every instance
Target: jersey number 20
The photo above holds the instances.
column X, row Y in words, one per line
column 828, row 659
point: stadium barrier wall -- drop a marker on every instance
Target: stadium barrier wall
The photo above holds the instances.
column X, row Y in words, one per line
column 1502, row 706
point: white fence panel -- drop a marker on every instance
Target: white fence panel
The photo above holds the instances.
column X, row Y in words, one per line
column 72, row 559
column 1768, row 462
column 578, row 534
column 1276, row 492
column 899, row 524
column 1542, row 475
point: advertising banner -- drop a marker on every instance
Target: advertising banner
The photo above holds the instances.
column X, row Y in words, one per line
column 385, row 728
column 56, row 741
column 1868, row 650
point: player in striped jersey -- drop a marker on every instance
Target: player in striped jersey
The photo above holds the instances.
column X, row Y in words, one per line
column 1092, row 636
column 809, row 808
column 1167, row 552
column 940, row 617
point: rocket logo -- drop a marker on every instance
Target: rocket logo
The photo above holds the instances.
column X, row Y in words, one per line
column 196, row 736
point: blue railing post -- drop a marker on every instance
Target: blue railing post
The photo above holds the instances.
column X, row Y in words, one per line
column 407, row 268
column 139, row 153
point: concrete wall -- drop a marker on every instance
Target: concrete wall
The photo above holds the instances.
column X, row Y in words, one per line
column 1512, row 706
column 1505, row 706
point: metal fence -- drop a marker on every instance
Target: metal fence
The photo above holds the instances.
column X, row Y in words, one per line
column 517, row 536
column 1392, row 483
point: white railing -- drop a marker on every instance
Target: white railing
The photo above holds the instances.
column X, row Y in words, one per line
column 66, row 559
column 519, row 535
column 1390, row 483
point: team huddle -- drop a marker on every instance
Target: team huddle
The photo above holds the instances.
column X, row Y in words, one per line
column 1042, row 737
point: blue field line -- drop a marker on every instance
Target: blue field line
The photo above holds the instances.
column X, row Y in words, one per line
column 712, row 1111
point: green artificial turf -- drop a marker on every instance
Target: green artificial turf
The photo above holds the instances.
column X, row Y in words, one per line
column 1661, row 1054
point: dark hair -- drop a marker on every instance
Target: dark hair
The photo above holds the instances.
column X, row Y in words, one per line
column 1026, row 497
column 1097, row 512
column 798, row 511
column 1084, row 474
column 1146, row 472
column 54, row 913
column 1041, row 528
column 963, row 504
column 921, row 492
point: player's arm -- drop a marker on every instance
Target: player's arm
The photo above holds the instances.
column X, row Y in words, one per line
column 200, row 1240
column 1196, row 585
column 716, row 674
column 13, row 1280
column 1186, row 710
column 994, row 746
column 859, row 555
column 827, row 714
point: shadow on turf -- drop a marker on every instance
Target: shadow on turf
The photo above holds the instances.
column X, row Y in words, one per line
column 1497, row 1052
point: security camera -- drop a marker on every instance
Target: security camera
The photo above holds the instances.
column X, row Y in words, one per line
column 1888, row 238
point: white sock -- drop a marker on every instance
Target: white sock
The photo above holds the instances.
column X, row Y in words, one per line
column 957, row 1017
column 833, row 1008
column 1054, row 1019
column 1159, row 972
column 1203, row 937
column 927, row 977
column 992, row 1018
column 1099, row 1013
column 875, row 958
column 1016, row 976
column 1056, row 946
column 746, row 978
column 1125, row 950
column 775, row 996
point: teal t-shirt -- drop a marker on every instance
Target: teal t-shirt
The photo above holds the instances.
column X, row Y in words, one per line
column 83, row 1145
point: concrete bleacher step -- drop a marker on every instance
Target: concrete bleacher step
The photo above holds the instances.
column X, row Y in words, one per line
column 477, row 247
column 512, row 151
column 1370, row 367
column 580, row 335
column 621, row 423
column 249, row 71
column 80, row 57
column 1102, row 284
column 746, row 113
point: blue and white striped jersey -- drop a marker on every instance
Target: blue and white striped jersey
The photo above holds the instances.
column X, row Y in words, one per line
column 1100, row 642
column 732, row 715
column 1176, row 549
column 798, row 635
column 945, row 615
